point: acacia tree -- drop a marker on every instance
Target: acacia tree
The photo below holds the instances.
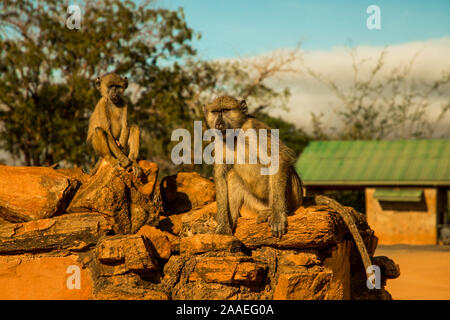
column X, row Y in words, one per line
column 46, row 69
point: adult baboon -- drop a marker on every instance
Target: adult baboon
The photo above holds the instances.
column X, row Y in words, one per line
column 108, row 130
column 273, row 195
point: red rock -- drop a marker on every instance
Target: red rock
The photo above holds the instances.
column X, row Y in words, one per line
column 228, row 269
column 70, row 232
column 185, row 191
column 115, row 194
column 300, row 259
column 26, row 277
column 199, row 221
column 307, row 284
column 310, row 228
column 74, row 173
column 151, row 172
column 174, row 241
column 123, row 253
column 159, row 240
column 30, row 193
column 171, row 223
column 201, row 243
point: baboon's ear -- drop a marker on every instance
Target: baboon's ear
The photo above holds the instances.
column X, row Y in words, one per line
column 97, row 83
column 125, row 82
column 243, row 106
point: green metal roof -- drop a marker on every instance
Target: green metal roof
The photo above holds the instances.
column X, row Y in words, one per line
column 398, row 162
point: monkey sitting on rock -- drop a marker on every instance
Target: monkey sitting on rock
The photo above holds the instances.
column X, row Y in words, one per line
column 108, row 131
column 271, row 196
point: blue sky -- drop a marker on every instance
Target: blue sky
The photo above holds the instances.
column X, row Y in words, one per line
column 249, row 27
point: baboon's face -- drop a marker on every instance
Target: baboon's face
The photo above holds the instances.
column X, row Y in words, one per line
column 112, row 87
column 225, row 113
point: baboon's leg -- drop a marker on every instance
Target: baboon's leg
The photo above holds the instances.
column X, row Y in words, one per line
column 133, row 146
column 105, row 145
column 117, row 152
column 239, row 195
column 277, row 196
column 235, row 196
column 223, row 214
column 100, row 143
column 133, row 143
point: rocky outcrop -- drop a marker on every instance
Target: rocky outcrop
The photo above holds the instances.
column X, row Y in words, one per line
column 127, row 202
column 185, row 191
column 30, row 193
column 115, row 237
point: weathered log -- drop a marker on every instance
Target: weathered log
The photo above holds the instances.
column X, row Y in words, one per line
column 31, row 193
column 119, row 196
column 71, row 231
column 306, row 229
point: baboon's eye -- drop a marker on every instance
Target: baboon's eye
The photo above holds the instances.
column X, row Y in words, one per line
column 226, row 110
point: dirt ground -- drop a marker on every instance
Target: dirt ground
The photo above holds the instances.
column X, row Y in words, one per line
column 424, row 271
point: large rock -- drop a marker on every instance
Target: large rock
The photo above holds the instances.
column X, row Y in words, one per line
column 75, row 232
column 125, row 253
column 159, row 239
column 37, row 277
column 151, row 175
column 179, row 256
column 311, row 228
column 30, row 193
column 127, row 202
column 229, row 270
column 185, row 191
column 306, row 284
column 74, row 173
column 202, row 243
column 171, row 223
column 199, row 221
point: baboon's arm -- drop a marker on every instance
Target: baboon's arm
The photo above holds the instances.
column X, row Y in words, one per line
column 222, row 216
column 278, row 185
column 125, row 130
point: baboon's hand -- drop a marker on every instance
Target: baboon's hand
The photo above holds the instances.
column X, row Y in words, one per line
column 224, row 229
column 125, row 162
column 278, row 224
column 137, row 171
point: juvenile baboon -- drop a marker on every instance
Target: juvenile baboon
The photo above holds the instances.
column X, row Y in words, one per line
column 272, row 196
column 108, row 130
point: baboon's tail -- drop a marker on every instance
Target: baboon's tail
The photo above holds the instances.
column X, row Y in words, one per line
column 350, row 222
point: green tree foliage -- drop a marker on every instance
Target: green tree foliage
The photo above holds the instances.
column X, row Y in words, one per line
column 47, row 72
column 46, row 91
column 293, row 137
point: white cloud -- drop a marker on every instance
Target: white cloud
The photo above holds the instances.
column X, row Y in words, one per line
column 309, row 95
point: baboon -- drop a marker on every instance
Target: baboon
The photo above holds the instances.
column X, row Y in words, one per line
column 271, row 196
column 108, row 131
